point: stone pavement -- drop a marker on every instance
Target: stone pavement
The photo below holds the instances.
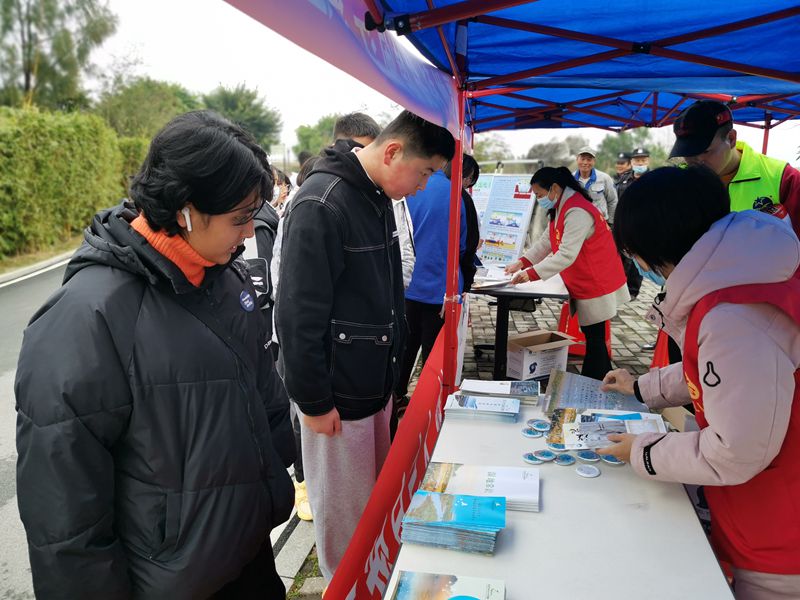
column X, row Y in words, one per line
column 629, row 331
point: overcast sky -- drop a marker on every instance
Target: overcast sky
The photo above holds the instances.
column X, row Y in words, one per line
column 204, row 43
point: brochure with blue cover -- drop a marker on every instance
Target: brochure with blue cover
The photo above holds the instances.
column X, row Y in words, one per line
column 454, row 521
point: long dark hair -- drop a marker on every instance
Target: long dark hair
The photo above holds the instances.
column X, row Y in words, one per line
column 547, row 176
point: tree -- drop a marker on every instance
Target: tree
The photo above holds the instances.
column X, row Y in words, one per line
column 490, row 147
column 626, row 141
column 313, row 138
column 556, row 153
column 243, row 106
column 45, row 46
column 142, row 106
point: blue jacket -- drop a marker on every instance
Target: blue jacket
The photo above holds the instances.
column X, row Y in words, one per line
column 430, row 215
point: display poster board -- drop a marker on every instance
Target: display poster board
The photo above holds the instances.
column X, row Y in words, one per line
column 504, row 204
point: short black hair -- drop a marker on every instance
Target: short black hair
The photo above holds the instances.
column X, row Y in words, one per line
column 306, row 169
column 354, row 125
column 469, row 167
column 547, row 176
column 471, row 164
column 420, row 138
column 202, row 158
column 664, row 212
column 303, row 157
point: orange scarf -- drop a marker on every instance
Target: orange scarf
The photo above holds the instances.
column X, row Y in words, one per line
column 176, row 249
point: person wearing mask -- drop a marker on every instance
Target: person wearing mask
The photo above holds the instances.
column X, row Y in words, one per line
column 640, row 162
column 705, row 136
column 598, row 185
column 153, row 447
column 732, row 297
column 578, row 245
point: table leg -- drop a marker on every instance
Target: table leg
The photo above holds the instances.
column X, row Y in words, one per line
column 501, row 338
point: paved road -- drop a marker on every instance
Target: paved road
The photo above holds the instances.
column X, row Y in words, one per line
column 18, row 302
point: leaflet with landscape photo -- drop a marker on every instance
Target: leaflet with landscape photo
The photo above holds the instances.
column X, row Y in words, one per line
column 456, row 522
column 526, row 391
column 519, row 485
column 440, row 586
column 569, row 390
column 635, row 422
column 492, row 407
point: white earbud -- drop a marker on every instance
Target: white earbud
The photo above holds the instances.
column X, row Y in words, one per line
column 187, row 216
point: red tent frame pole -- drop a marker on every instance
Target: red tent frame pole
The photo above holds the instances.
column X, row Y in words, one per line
column 767, row 122
column 452, row 297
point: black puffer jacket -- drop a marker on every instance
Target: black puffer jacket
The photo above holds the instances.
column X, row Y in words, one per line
column 149, row 415
column 340, row 316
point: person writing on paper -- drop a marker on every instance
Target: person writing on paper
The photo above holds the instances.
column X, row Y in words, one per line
column 578, row 245
column 732, row 301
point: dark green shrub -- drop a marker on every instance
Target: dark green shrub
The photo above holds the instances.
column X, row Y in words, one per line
column 56, row 171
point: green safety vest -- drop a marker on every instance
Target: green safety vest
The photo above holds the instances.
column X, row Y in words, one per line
column 757, row 181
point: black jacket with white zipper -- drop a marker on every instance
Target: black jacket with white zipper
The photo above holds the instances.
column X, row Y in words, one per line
column 340, row 308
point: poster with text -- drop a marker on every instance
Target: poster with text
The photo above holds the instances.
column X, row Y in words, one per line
column 505, row 219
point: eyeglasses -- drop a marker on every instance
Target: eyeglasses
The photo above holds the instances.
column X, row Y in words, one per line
column 248, row 216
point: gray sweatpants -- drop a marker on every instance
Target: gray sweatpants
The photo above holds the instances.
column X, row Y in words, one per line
column 340, row 473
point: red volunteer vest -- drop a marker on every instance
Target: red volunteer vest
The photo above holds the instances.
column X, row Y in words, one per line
column 597, row 270
column 754, row 525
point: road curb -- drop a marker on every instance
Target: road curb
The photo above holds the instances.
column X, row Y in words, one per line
column 22, row 272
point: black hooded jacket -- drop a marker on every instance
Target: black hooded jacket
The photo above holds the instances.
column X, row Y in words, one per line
column 149, row 426
column 258, row 261
column 339, row 312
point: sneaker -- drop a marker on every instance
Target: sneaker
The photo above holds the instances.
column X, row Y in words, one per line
column 301, row 502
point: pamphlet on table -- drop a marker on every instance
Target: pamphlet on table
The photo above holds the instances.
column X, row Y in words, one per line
column 569, row 390
column 519, row 485
column 527, row 392
column 481, row 407
column 439, row 586
column 455, row 522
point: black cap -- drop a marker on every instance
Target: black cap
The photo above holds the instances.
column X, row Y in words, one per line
column 622, row 158
column 697, row 125
column 640, row 153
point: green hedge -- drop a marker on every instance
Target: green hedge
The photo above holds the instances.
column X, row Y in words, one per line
column 56, row 171
column 134, row 151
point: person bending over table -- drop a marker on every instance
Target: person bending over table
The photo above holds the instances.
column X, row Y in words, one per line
column 578, row 245
column 732, row 299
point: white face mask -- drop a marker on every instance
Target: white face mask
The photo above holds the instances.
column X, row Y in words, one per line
column 276, row 192
column 640, row 169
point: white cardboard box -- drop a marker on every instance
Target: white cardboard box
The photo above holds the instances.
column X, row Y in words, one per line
column 534, row 354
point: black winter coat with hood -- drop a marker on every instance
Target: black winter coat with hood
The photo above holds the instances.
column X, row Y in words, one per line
column 340, row 308
column 152, row 430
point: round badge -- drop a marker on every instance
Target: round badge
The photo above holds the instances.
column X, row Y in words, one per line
column 544, row 455
column 530, row 432
column 557, row 447
column 529, row 458
column 246, row 300
column 565, row 460
column 588, row 456
column 611, row 460
column 539, row 425
column 588, row 471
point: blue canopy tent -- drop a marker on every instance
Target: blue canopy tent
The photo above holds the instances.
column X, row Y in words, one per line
column 521, row 64
column 511, row 64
